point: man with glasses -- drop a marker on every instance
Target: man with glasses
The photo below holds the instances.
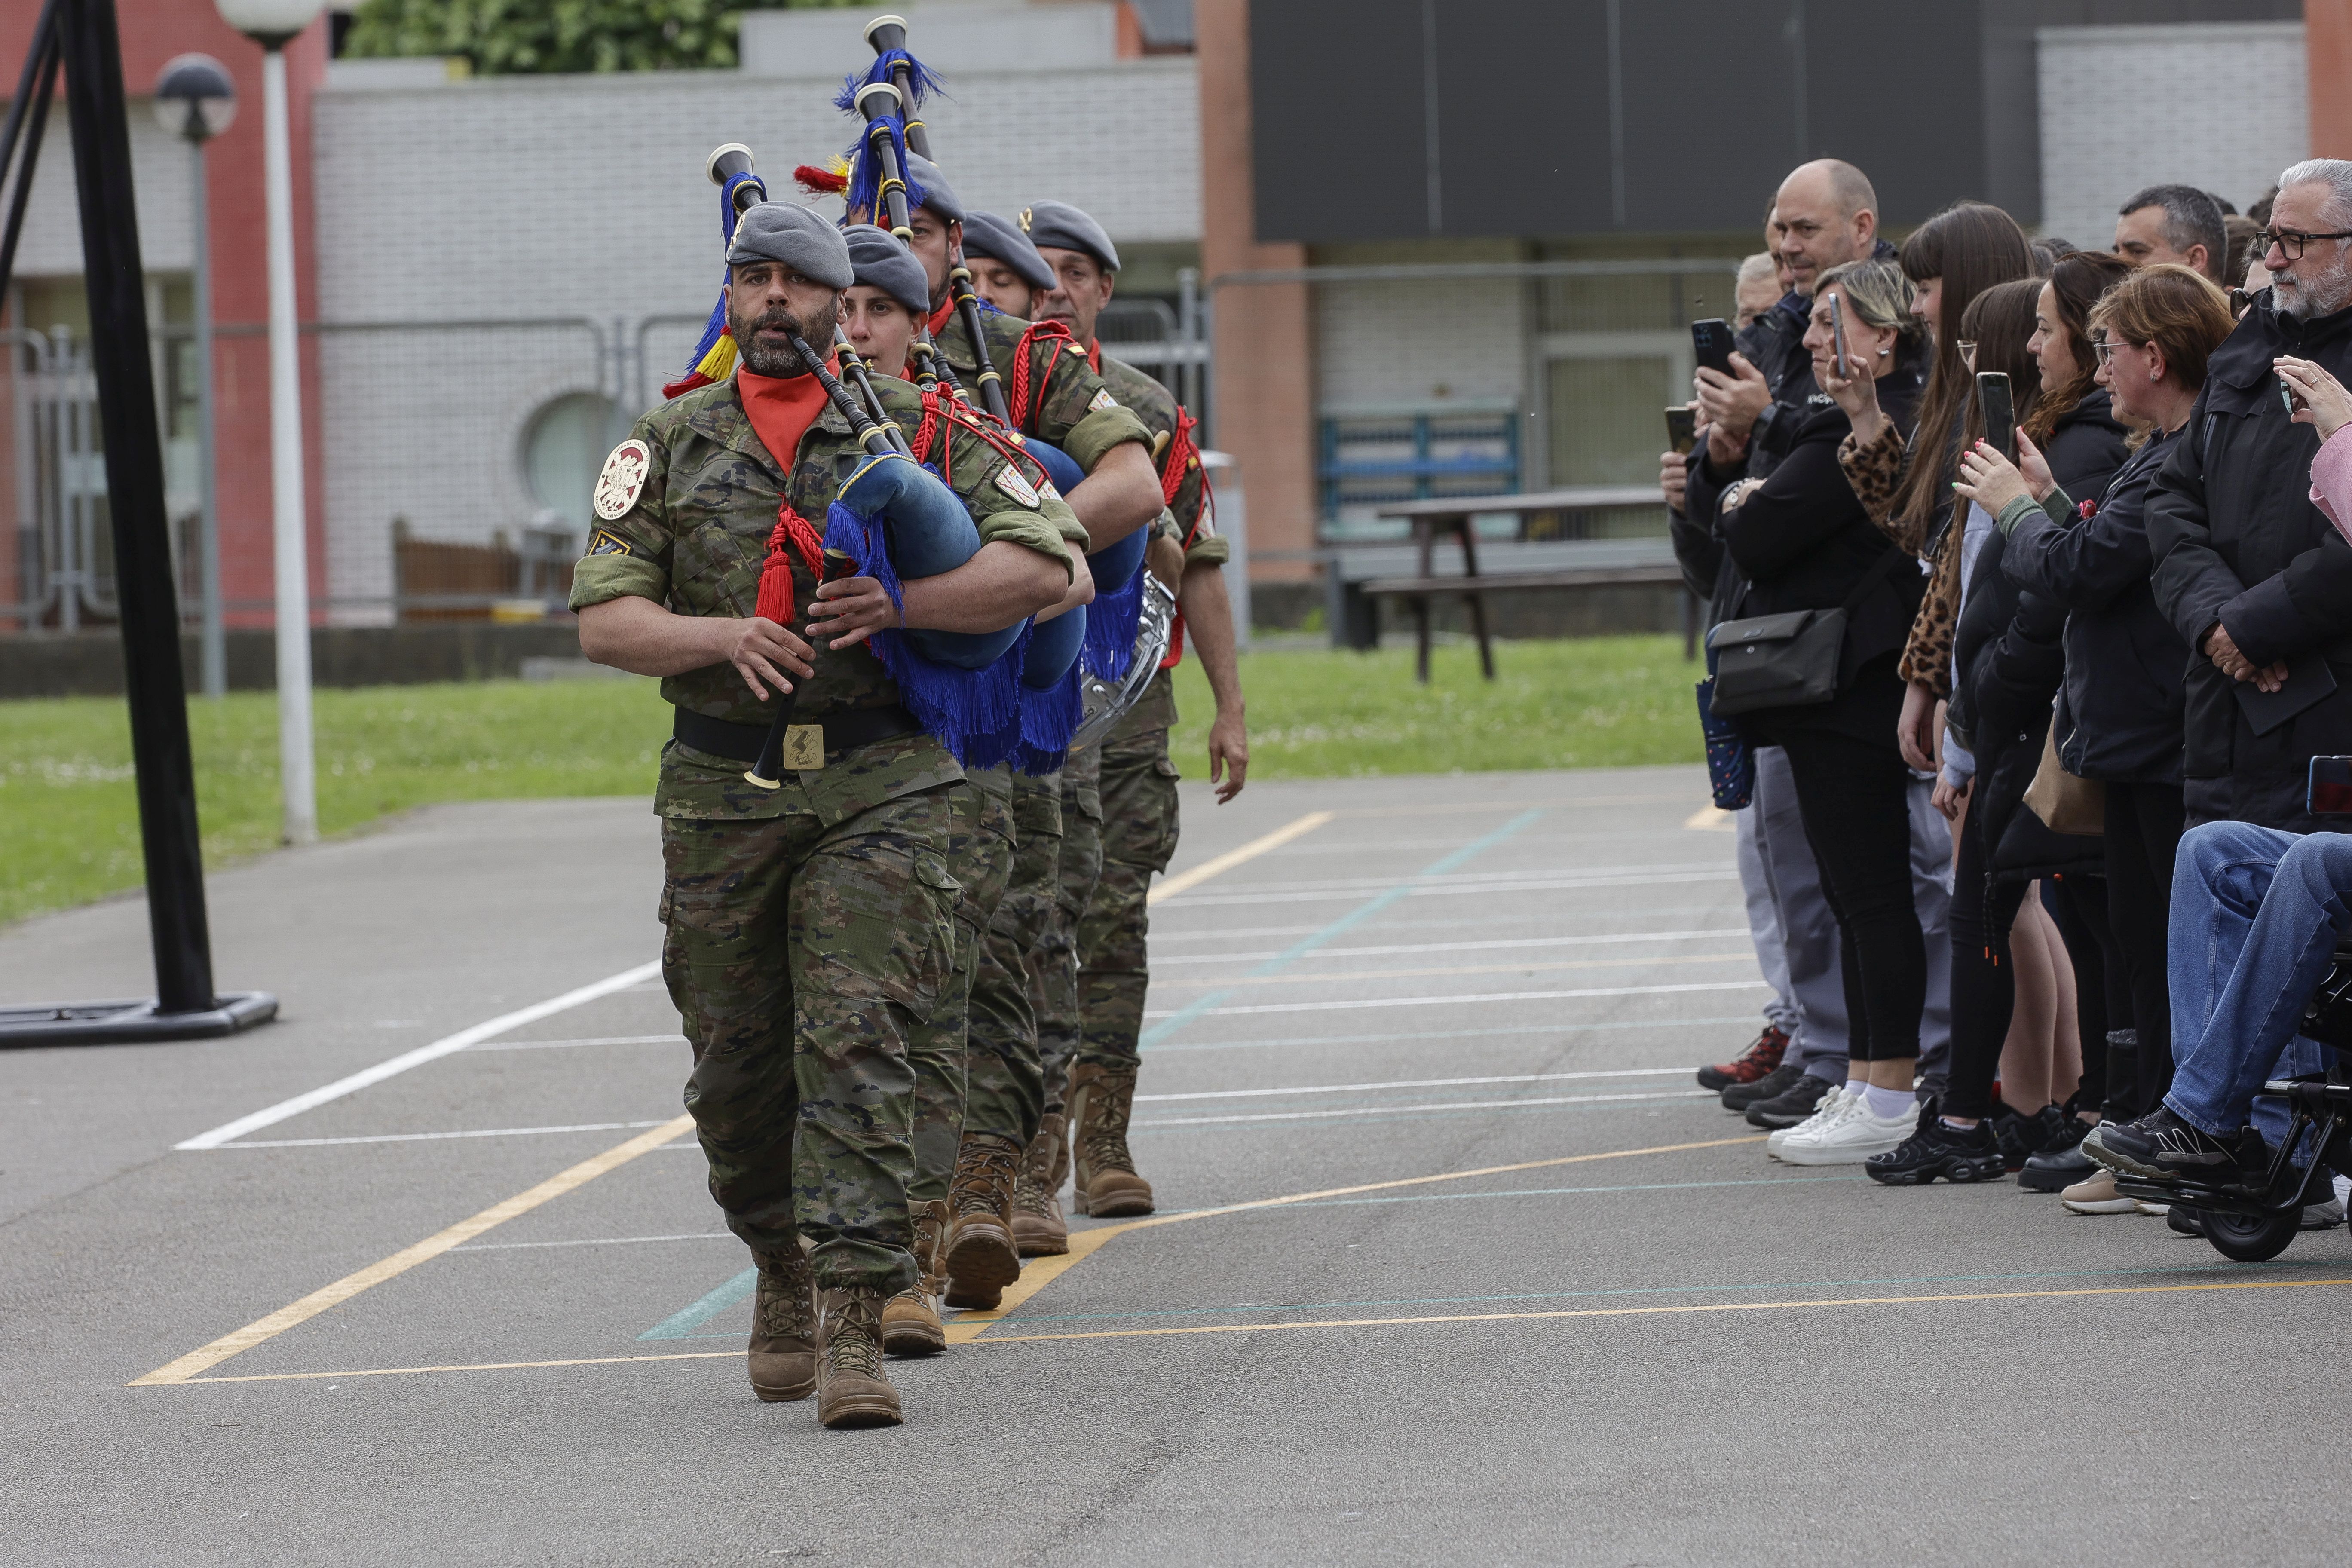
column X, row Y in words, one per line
column 2250, row 573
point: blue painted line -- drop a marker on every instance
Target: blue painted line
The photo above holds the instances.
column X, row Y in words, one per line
column 1345, row 923
column 1749, row 1018
column 681, row 1325
column 2231, row 1270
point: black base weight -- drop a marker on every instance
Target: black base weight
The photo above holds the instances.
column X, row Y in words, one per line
column 131, row 1023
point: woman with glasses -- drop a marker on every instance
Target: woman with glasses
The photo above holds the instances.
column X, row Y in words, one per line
column 2119, row 717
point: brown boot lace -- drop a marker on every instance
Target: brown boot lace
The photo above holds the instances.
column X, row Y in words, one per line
column 785, row 1310
column 1107, row 1107
column 985, row 1168
column 853, row 1342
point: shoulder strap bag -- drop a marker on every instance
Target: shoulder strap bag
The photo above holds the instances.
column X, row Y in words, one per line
column 1788, row 661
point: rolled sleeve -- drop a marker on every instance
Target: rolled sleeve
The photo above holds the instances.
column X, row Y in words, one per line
column 1018, row 525
column 598, row 578
column 1101, row 430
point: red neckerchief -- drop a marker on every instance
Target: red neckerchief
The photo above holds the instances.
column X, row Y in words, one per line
column 940, row 317
column 781, row 409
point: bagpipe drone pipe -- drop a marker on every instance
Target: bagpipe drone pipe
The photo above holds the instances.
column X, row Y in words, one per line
column 991, row 698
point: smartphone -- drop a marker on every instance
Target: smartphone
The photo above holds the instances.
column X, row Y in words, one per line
column 1999, row 414
column 2290, row 398
column 2331, row 787
column 1681, row 429
column 1837, row 335
column 1711, row 342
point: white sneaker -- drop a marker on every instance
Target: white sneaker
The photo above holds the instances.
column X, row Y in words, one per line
column 1831, row 1111
column 1851, row 1139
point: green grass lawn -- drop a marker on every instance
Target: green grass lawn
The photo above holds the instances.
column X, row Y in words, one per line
column 69, row 828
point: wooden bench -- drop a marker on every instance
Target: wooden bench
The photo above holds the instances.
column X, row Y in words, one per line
column 1362, row 572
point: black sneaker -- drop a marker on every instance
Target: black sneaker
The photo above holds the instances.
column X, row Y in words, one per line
column 2061, row 1163
column 2023, row 1137
column 1934, row 1150
column 1795, row 1104
column 2160, row 1147
column 1780, row 1081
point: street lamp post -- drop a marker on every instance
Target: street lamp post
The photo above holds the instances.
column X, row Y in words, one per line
column 274, row 24
column 195, row 99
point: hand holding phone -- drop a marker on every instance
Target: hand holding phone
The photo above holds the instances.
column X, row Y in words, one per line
column 1997, row 411
column 1682, row 428
column 1711, row 344
column 1840, row 366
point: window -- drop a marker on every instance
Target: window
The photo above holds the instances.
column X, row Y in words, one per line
column 562, row 451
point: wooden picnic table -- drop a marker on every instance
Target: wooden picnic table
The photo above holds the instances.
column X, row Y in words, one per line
column 1529, row 563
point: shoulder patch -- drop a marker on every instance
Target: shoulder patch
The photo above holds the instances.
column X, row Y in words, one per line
column 602, row 544
column 623, row 480
column 1076, row 350
column 1009, row 480
column 1101, row 400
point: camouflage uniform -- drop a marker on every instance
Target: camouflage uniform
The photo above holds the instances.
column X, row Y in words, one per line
column 811, row 927
column 1138, row 781
column 1055, row 982
column 1067, row 403
column 981, row 859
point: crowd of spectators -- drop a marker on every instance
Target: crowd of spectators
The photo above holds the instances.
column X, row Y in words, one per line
column 2033, row 879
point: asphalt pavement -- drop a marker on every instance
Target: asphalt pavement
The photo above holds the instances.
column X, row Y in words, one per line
column 1455, row 1262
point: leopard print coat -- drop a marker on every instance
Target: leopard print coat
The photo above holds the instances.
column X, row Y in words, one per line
column 1875, row 470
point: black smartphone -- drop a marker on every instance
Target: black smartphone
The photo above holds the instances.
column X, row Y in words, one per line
column 2331, row 787
column 1998, row 413
column 2309, row 682
column 1837, row 366
column 1681, row 429
column 1711, row 342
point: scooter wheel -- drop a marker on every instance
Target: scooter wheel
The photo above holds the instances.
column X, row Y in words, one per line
column 2250, row 1238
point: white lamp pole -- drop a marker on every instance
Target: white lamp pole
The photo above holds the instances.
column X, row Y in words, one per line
column 273, row 24
column 196, row 100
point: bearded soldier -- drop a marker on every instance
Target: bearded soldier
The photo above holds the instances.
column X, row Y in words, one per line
column 810, row 927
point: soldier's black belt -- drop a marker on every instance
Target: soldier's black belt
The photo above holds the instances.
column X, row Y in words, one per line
column 742, row 742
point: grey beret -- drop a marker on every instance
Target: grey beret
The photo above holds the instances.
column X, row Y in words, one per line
column 883, row 263
column 795, row 236
column 986, row 234
column 937, row 195
column 1064, row 227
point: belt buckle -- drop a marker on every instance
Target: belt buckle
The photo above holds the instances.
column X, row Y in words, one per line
column 803, row 747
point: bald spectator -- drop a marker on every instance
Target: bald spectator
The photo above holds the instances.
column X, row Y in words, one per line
column 2173, row 223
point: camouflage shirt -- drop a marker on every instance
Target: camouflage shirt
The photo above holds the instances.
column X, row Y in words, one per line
column 1071, row 407
column 694, row 539
column 1191, row 526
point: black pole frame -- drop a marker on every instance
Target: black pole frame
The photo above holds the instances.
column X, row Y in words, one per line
column 81, row 35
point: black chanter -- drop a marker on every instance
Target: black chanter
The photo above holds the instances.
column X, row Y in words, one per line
column 886, row 34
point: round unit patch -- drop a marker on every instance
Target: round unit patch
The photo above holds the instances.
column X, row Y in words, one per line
column 623, row 478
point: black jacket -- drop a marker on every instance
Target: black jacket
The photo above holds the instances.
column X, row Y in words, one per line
column 2006, row 662
column 1775, row 344
column 2119, row 712
column 2087, row 448
column 2237, row 540
column 1804, row 542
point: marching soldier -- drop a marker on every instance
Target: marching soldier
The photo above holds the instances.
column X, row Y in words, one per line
column 1006, row 270
column 1137, row 791
column 811, row 929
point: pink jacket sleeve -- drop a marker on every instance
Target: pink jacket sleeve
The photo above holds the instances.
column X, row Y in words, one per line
column 2331, row 480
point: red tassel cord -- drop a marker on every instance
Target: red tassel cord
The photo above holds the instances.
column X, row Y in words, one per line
column 792, row 536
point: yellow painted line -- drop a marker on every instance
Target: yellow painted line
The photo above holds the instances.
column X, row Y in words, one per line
column 1711, row 819
column 967, row 1328
column 471, row 1366
column 1360, row 975
column 1185, row 881
column 401, row 1262
column 1657, row 1311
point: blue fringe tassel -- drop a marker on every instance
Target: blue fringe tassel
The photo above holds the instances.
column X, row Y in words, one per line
column 1110, row 628
column 921, row 79
column 865, row 175
column 1048, row 719
column 977, row 714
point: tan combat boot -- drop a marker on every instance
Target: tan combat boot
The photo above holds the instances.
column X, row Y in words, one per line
column 1103, row 1171
column 852, row 1388
column 784, row 1327
column 1038, row 1230
column 980, row 1257
column 910, row 1322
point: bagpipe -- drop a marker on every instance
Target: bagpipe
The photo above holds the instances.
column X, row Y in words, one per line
column 987, row 696
column 1122, row 636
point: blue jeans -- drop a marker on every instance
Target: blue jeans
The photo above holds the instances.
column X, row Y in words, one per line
column 2255, row 914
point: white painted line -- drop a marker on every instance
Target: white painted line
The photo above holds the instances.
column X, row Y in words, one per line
column 670, row 1039
column 1170, row 886
column 623, row 980
column 1417, row 1083
column 432, row 1137
column 596, row 1241
column 1443, row 879
column 1457, row 1000
column 1433, row 1105
column 1487, row 888
column 1414, row 948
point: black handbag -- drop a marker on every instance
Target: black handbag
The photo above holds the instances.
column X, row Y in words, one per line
column 1788, row 660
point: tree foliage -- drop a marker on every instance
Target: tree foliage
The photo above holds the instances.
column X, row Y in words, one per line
column 499, row 37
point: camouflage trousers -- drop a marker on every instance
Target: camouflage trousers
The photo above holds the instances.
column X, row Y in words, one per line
column 1007, row 1091
column 801, row 958
column 1139, row 835
column 981, row 858
column 1055, row 981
